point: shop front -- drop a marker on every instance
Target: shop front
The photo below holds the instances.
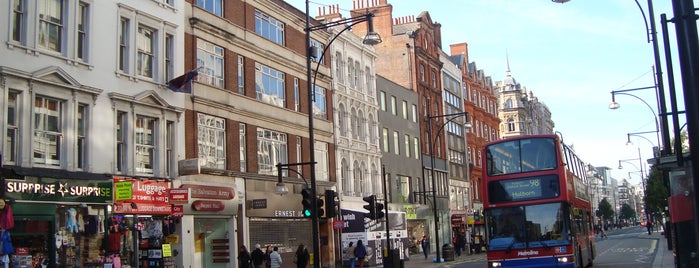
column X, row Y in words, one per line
column 208, row 205
column 58, row 219
column 277, row 221
column 417, row 225
column 141, row 220
column 458, row 224
column 476, row 228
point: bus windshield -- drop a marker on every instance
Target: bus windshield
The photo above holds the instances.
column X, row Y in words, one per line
column 532, row 226
column 523, row 155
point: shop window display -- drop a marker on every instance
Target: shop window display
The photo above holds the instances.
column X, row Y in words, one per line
column 145, row 234
column 71, row 238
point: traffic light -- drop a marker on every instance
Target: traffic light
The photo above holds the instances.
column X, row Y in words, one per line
column 374, row 207
column 379, row 211
column 331, row 204
column 320, row 206
column 307, row 202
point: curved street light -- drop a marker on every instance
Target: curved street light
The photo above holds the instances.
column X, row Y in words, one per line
column 371, row 38
column 656, row 151
column 643, row 178
column 431, row 145
column 615, row 105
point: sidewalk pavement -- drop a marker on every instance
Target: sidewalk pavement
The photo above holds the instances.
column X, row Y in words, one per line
column 663, row 258
column 419, row 261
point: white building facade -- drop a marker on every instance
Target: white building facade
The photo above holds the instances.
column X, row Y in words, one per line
column 84, row 104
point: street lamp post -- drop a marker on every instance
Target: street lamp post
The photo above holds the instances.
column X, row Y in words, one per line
column 643, row 178
column 637, row 134
column 371, row 38
column 615, row 105
column 431, row 144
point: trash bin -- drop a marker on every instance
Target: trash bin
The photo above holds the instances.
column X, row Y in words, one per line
column 393, row 259
column 448, row 252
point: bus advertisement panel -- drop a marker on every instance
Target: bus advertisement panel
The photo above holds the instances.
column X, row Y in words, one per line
column 536, row 208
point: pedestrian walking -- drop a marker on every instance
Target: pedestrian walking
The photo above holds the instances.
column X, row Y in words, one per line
column 425, row 246
column 275, row 259
column 302, row 256
column 349, row 254
column 649, row 226
column 460, row 244
column 268, row 251
column 360, row 253
column 244, row 257
column 258, row 257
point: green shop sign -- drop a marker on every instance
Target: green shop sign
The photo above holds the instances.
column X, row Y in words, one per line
column 60, row 190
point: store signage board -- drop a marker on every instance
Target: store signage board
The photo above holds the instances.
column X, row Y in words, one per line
column 59, row 190
column 210, row 192
column 179, row 195
column 147, row 197
column 167, row 250
column 177, row 211
column 122, row 190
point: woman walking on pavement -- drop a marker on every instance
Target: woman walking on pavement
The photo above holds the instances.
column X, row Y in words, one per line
column 244, row 258
column 360, row 253
column 302, row 256
column 349, row 254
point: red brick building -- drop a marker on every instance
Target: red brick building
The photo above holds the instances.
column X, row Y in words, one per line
column 248, row 111
column 481, row 104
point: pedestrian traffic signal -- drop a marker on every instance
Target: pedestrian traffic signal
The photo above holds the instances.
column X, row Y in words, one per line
column 307, row 202
column 375, row 208
column 331, row 204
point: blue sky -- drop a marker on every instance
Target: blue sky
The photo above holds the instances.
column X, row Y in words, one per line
column 571, row 56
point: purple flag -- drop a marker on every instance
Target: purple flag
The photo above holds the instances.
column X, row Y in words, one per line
column 183, row 83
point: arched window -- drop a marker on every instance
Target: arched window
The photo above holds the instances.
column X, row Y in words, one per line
column 342, row 120
column 357, row 76
column 354, row 124
column 358, row 178
column 510, row 124
column 375, row 178
column 368, row 79
column 373, row 130
column 339, row 68
column 508, row 104
column 351, row 72
column 361, row 126
column 345, row 177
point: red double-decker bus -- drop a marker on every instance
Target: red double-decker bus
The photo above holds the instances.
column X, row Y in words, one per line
column 537, row 204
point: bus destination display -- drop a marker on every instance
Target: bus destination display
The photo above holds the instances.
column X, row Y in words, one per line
column 523, row 189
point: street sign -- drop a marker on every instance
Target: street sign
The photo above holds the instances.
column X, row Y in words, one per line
column 338, row 224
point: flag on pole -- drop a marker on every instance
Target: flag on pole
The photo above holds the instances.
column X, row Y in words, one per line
column 183, row 83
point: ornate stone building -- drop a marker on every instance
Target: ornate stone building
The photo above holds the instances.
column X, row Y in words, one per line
column 520, row 112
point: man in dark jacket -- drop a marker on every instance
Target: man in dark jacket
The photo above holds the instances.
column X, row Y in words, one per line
column 258, row 257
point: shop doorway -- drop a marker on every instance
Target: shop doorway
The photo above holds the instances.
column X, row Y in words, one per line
column 33, row 239
column 211, row 243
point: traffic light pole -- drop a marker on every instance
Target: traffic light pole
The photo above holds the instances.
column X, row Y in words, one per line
column 312, row 187
column 385, row 206
column 388, row 255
